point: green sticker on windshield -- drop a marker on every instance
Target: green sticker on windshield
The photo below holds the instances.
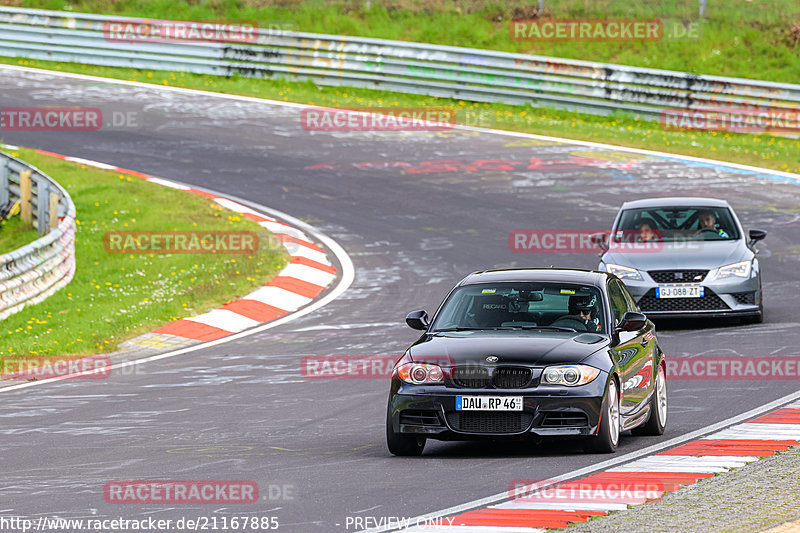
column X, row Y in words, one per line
column 488, row 291
column 567, row 291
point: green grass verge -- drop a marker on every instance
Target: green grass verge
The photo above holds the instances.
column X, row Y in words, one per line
column 621, row 129
column 754, row 39
column 114, row 297
column 14, row 234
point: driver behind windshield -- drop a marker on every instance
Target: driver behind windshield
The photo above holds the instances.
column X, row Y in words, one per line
column 708, row 222
column 585, row 308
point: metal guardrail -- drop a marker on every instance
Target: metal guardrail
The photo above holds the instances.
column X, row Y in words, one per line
column 30, row 274
column 447, row 71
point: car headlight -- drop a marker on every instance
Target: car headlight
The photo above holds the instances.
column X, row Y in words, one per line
column 569, row 375
column 420, row 373
column 736, row 270
column 623, row 272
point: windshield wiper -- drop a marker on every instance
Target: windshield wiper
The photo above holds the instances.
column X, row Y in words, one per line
column 552, row 328
column 466, row 328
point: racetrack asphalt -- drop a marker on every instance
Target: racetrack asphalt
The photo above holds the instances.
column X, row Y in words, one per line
column 416, row 211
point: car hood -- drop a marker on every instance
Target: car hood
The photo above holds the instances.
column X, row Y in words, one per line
column 517, row 347
column 701, row 255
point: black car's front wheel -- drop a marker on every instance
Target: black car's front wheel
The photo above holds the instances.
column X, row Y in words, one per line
column 399, row 444
column 607, row 437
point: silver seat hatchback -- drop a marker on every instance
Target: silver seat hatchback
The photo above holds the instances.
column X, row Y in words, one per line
column 685, row 257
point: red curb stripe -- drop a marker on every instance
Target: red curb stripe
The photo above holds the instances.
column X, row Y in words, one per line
column 528, row 514
column 315, row 264
column 678, row 477
column 726, row 442
column 254, row 310
column 549, row 524
column 297, row 286
column 192, row 330
column 52, row 154
column 284, row 238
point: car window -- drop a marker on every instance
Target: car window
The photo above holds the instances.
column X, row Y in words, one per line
column 628, row 298
column 683, row 223
column 619, row 305
column 522, row 304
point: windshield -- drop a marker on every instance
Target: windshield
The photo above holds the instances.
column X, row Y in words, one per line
column 669, row 224
column 523, row 305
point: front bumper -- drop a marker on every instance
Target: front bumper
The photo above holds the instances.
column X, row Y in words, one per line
column 723, row 298
column 430, row 411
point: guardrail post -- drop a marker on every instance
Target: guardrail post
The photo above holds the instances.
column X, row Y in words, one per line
column 541, row 6
column 42, row 203
column 25, row 211
column 3, row 183
column 702, row 8
column 53, row 210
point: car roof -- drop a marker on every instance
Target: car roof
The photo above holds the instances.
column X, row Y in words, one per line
column 676, row 201
column 563, row 275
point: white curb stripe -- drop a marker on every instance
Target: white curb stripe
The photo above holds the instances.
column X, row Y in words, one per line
column 308, row 274
column 90, row 163
column 570, row 505
column 669, row 468
column 224, row 319
column 282, row 229
column 298, row 250
column 167, row 183
column 278, row 297
column 711, row 460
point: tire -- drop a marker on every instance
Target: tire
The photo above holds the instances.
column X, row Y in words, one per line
column 607, row 437
column 658, row 409
column 399, row 444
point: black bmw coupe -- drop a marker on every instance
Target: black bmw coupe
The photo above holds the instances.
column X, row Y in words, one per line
column 529, row 352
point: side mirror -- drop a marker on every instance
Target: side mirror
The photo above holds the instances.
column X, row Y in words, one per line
column 600, row 240
column 417, row 320
column 756, row 235
column 632, row 322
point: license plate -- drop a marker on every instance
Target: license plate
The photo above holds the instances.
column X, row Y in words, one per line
column 488, row 403
column 680, row 291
